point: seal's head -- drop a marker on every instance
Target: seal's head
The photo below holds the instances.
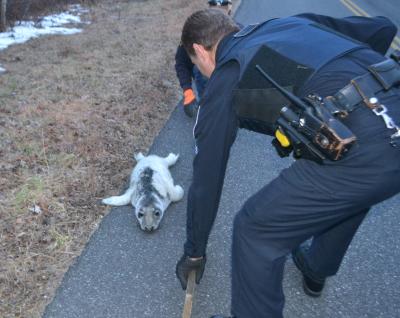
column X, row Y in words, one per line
column 149, row 214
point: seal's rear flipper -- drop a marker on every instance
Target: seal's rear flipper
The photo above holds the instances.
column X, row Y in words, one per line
column 119, row 200
column 171, row 159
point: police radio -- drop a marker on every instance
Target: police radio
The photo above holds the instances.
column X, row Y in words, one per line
column 312, row 131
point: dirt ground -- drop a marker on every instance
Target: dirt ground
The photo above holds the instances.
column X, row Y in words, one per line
column 73, row 110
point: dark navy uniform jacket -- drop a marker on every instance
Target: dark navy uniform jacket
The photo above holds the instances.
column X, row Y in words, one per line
column 217, row 123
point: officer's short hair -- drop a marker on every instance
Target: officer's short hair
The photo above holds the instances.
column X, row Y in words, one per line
column 206, row 27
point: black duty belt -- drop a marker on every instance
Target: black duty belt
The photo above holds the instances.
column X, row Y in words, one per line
column 381, row 77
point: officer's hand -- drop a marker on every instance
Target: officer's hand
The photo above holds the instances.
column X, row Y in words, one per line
column 186, row 265
column 189, row 102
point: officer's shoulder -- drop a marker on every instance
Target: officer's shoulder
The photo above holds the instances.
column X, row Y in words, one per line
column 246, row 30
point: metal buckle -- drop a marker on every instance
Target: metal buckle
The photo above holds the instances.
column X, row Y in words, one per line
column 395, row 138
column 381, row 111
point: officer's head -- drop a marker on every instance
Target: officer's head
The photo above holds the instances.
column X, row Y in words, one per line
column 201, row 34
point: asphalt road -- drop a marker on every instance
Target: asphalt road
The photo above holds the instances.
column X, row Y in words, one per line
column 124, row 272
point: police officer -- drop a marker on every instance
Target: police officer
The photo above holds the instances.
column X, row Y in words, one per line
column 325, row 199
column 186, row 70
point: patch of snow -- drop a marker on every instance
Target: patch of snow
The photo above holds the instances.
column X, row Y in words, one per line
column 56, row 20
column 51, row 24
column 27, row 30
column 35, row 209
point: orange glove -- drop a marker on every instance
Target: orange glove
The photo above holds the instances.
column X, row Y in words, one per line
column 188, row 96
column 189, row 102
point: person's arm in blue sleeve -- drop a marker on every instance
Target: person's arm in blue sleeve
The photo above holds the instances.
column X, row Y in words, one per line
column 377, row 32
column 215, row 132
column 183, row 68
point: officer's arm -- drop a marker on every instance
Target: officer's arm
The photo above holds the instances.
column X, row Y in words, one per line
column 215, row 131
column 183, row 68
column 377, row 32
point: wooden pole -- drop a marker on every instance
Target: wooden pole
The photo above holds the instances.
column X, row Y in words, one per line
column 187, row 308
column 3, row 22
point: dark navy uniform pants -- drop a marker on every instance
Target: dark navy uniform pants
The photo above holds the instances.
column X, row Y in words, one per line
column 326, row 202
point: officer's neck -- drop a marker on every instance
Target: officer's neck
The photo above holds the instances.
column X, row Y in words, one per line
column 221, row 45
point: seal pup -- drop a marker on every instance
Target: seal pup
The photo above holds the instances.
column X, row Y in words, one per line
column 151, row 190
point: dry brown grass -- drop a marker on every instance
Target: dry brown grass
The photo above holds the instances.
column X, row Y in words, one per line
column 73, row 110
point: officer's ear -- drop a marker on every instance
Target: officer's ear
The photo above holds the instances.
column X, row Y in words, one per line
column 204, row 59
column 200, row 51
column 203, row 55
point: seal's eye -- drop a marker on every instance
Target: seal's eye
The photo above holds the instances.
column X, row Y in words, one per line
column 140, row 215
column 157, row 213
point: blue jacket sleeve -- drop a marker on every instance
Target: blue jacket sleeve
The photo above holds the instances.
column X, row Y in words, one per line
column 377, row 32
column 183, row 68
column 215, row 132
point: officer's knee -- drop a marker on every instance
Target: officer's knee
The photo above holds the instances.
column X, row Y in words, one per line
column 242, row 219
column 249, row 235
column 241, row 229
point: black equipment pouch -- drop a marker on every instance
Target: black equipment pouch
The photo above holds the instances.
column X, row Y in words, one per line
column 332, row 137
column 381, row 77
column 312, row 129
column 387, row 73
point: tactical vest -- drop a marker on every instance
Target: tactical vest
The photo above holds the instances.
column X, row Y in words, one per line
column 290, row 50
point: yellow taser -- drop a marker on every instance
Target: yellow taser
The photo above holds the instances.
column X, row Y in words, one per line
column 282, row 138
